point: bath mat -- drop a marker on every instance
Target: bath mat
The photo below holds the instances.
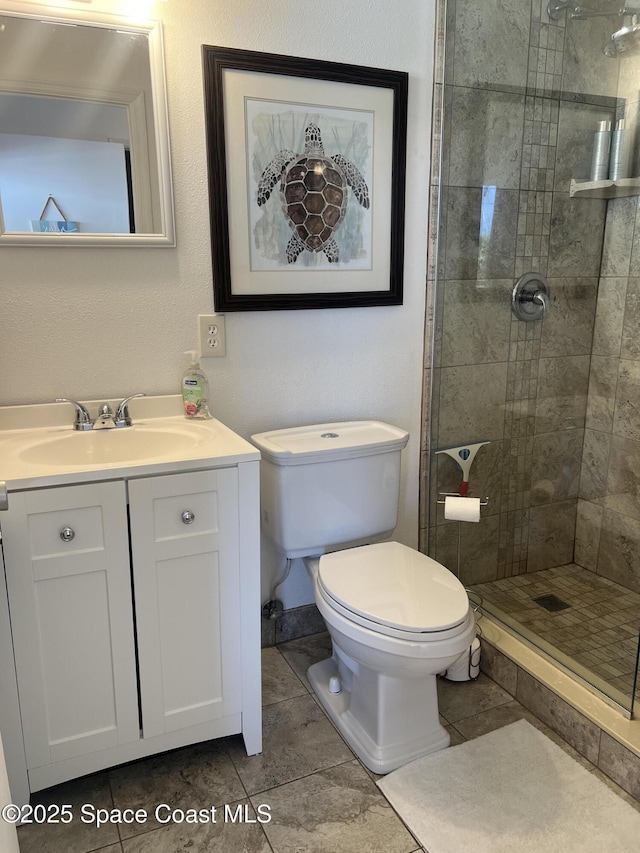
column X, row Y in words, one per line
column 511, row 790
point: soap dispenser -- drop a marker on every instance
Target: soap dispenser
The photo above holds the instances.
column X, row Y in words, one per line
column 195, row 390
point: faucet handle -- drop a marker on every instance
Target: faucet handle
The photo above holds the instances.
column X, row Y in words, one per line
column 83, row 418
column 123, row 418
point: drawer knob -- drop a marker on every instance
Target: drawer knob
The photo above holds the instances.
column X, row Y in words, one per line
column 188, row 517
column 67, row 534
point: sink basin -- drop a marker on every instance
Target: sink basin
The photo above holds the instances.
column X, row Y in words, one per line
column 112, row 446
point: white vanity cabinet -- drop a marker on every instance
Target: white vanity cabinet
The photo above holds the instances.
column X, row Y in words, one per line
column 134, row 613
column 71, row 619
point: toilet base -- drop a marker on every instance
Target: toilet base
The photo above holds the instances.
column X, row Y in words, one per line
column 379, row 757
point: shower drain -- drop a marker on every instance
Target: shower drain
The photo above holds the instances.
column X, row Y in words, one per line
column 551, row 603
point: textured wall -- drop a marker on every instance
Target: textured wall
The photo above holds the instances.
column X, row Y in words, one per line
column 90, row 323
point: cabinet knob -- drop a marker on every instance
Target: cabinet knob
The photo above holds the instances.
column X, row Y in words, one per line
column 67, row 534
column 188, row 517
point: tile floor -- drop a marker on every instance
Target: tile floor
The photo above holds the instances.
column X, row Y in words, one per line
column 599, row 631
column 320, row 797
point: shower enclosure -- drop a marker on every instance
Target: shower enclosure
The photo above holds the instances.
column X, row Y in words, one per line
column 521, row 89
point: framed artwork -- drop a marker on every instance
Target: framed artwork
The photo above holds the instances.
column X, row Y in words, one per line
column 306, row 181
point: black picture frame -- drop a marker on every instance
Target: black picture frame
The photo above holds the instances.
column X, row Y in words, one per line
column 281, row 92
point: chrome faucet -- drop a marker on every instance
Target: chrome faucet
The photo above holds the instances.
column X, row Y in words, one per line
column 105, row 419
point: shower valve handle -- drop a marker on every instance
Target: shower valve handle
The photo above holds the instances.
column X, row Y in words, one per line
column 530, row 297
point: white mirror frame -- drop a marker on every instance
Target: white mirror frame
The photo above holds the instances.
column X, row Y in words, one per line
column 134, row 106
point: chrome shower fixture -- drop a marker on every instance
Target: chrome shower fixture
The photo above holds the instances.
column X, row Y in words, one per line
column 555, row 10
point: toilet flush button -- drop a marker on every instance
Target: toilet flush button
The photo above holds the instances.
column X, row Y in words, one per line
column 334, row 684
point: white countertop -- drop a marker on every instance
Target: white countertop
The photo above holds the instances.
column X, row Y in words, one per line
column 27, row 433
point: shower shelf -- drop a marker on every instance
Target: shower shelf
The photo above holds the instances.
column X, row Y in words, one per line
column 605, row 189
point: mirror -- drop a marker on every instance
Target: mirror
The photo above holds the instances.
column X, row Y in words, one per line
column 84, row 142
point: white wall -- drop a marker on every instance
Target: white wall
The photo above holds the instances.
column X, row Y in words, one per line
column 88, row 323
column 87, row 179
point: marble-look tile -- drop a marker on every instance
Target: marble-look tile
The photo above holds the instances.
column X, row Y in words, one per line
column 279, row 682
column 601, row 399
column 607, row 330
column 620, row 764
column 595, row 461
column 585, row 67
column 555, row 473
column 623, row 479
column 472, row 400
column 476, row 321
column 588, row 526
column 630, row 344
column 298, row 739
column 551, row 535
column 489, row 721
column 577, row 730
column 619, row 554
column 479, row 550
column 562, row 393
column 485, row 148
column 193, row 777
column 577, row 123
column 577, row 230
column 339, row 810
column 76, row 836
column 226, row 836
column 634, row 268
column 618, row 237
column 302, row 653
column 480, row 229
column 568, row 327
column 444, row 546
column 299, row 622
column 626, row 417
column 499, row 667
column 490, row 41
column 461, row 700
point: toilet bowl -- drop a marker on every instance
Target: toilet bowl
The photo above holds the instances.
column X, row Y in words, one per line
column 396, row 618
column 329, row 495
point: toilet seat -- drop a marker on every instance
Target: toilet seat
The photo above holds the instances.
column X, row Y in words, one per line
column 392, row 589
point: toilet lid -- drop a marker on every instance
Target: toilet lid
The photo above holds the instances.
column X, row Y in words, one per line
column 396, row 586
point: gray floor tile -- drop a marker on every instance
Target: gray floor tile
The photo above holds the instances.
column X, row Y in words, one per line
column 459, row 700
column 77, row 836
column 197, row 777
column 338, row 810
column 279, row 681
column 298, row 739
column 221, row 836
column 302, row 653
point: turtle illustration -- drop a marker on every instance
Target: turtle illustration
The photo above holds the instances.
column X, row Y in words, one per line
column 313, row 193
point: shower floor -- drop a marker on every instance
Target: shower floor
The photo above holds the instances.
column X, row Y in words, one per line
column 591, row 624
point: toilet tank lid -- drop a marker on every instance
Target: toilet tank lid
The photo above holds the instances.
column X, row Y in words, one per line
column 326, row 442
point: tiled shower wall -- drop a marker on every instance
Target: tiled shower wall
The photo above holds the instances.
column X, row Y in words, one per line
column 521, row 98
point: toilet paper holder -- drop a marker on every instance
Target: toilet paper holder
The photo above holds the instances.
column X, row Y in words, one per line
column 444, row 495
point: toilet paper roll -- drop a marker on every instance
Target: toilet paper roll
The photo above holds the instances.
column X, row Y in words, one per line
column 462, row 509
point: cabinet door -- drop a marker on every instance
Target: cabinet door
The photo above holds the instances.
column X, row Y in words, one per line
column 71, row 618
column 185, row 568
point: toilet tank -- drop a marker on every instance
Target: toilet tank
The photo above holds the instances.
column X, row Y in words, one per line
column 329, row 486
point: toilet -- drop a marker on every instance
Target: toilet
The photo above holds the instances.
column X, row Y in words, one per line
column 397, row 618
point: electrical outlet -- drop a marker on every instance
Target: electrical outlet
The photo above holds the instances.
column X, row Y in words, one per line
column 213, row 341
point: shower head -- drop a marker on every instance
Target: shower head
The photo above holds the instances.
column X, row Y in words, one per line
column 625, row 41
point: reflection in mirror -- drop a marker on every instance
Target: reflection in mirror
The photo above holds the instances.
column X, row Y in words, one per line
column 84, row 154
